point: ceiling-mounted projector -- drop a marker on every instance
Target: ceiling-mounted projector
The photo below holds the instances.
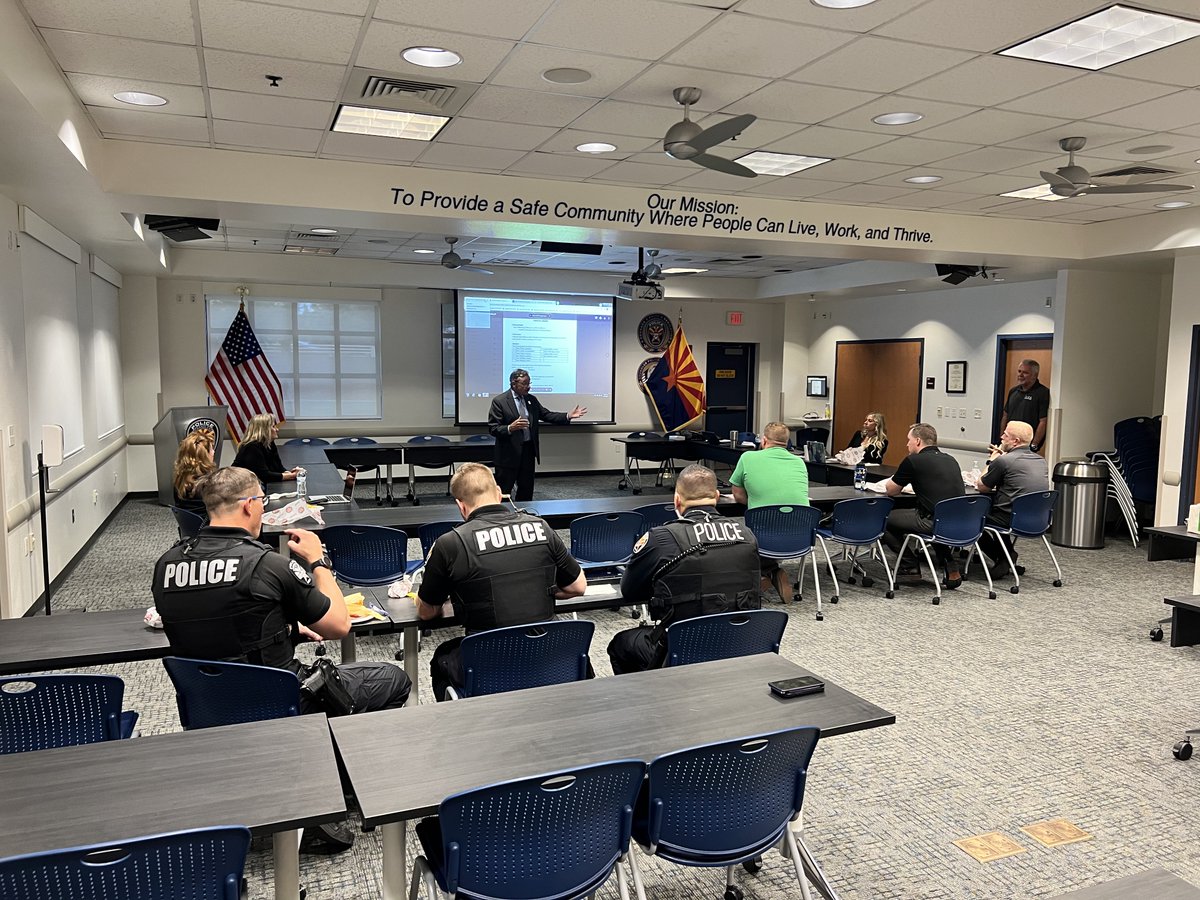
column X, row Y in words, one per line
column 627, row 290
column 182, row 228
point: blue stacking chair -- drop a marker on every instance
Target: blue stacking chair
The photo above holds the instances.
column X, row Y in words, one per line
column 860, row 523
column 605, row 540
column 525, row 656
column 958, row 523
column 1032, row 515
column 306, row 442
column 727, row 803
column 551, row 837
column 725, row 635
column 211, row 693
column 40, row 712
column 656, row 514
column 366, row 554
column 427, row 534
column 201, row 864
column 747, row 437
column 480, row 439
column 790, row 532
column 189, row 522
column 358, row 470
column 434, row 439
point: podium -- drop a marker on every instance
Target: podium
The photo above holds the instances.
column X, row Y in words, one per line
column 176, row 424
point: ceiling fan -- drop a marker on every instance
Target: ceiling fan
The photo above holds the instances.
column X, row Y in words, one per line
column 688, row 141
column 452, row 260
column 1074, row 181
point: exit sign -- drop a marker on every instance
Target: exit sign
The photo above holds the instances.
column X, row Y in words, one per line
column 733, row 318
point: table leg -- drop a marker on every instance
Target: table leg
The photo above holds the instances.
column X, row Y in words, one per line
column 1196, row 573
column 391, row 498
column 287, row 864
column 1185, row 627
column 395, row 860
column 412, row 647
column 815, row 876
column 349, row 651
column 412, row 484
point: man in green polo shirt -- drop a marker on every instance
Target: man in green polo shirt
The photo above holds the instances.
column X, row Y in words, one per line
column 772, row 476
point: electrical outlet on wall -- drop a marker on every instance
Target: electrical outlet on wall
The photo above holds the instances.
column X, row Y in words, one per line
column 12, row 435
column 962, row 412
column 939, row 412
column 979, row 413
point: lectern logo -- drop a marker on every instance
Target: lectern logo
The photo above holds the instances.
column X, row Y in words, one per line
column 203, row 423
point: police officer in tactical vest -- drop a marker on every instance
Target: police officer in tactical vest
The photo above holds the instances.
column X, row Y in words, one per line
column 703, row 563
column 501, row 567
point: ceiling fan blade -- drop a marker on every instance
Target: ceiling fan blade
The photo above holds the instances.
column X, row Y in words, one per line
column 721, row 132
column 721, row 164
column 1068, row 190
column 476, row 269
column 1055, row 180
column 1150, row 188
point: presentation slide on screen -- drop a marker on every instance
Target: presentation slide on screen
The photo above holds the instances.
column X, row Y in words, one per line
column 565, row 342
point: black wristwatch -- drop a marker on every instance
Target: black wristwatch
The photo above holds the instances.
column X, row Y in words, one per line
column 323, row 563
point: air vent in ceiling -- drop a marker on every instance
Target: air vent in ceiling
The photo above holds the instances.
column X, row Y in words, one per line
column 310, row 236
column 387, row 90
column 310, row 251
column 1136, row 174
column 510, row 261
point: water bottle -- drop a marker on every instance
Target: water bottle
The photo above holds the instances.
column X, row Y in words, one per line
column 302, row 485
column 860, row 477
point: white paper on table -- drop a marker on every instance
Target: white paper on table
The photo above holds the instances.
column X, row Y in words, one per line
column 602, row 591
column 291, row 513
column 880, row 487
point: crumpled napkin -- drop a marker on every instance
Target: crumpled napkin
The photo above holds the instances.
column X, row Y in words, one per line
column 401, row 587
column 152, row 618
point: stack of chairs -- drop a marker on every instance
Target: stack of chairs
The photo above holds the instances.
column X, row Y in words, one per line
column 1133, row 469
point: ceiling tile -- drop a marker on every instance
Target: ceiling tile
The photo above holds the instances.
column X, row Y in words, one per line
column 913, row 151
column 246, row 72
column 995, row 159
column 618, row 117
column 345, row 7
column 795, row 187
column 988, row 80
column 804, row 104
column 1178, row 65
column 168, row 20
column 880, row 65
column 605, row 27
column 269, row 110
column 258, row 28
column 750, row 46
column 718, row 89
column 645, row 173
column 937, row 199
column 981, row 203
column 383, row 42
column 1179, row 143
column 1097, row 134
column 992, row 126
column 557, row 165
column 137, row 123
column 98, row 90
column 817, row 140
column 497, row 18
column 851, row 171
column 271, row 137
column 717, row 182
column 569, row 138
column 983, row 25
column 934, row 112
column 456, row 156
column 1179, row 109
column 864, row 193
column 124, row 58
column 948, row 176
column 1079, row 215
column 524, row 67
column 528, row 107
column 996, row 184
column 1087, row 97
column 505, row 135
column 758, row 135
column 864, row 18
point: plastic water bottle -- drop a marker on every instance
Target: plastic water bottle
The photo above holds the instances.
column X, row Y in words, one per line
column 860, row 477
column 302, row 485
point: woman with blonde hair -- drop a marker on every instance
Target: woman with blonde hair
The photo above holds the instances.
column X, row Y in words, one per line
column 193, row 460
column 258, row 452
column 872, row 437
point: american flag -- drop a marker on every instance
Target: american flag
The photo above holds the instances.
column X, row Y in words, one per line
column 241, row 378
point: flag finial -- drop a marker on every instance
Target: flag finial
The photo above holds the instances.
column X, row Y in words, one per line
column 241, row 290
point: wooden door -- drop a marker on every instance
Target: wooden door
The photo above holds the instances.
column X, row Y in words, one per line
column 1039, row 348
column 878, row 376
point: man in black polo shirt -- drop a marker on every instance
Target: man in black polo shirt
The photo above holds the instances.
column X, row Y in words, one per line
column 935, row 476
column 1028, row 401
column 499, row 568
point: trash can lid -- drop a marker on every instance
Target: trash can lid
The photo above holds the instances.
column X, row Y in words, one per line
column 1079, row 471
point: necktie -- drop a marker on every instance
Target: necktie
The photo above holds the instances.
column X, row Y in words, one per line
column 522, row 410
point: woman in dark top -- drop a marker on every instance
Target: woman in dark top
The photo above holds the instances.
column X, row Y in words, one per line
column 193, row 460
column 258, row 453
column 872, row 437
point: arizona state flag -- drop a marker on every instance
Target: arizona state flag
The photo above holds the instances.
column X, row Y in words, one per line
column 676, row 387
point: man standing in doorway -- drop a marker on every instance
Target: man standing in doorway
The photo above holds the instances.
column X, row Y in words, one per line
column 513, row 421
column 1028, row 401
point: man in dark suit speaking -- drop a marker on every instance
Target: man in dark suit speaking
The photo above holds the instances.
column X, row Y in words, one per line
column 513, row 421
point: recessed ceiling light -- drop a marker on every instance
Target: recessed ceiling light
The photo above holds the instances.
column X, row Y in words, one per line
column 997, row 278
column 842, row 4
column 388, row 123
column 1150, row 149
column 431, row 57
column 567, row 75
column 1037, row 192
column 901, row 290
column 1105, row 38
column 140, row 98
column 595, row 147
column 898, row 118
column 1172, row 204
column 923, row 179
column 324, row 231
column 682, row 270
column 765, row 163
column 424, row 251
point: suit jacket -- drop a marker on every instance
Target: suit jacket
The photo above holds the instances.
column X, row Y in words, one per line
column 503, row 413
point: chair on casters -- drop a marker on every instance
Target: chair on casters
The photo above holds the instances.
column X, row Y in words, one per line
column 358, row 470
column 559, row 835
column 306, row 442
column 804, row 435
column 201, row 864
column 189, row 522
column 431, row 439
column 479, row 439
column 857, row 523
column 41, row 712
column 728, row 803
column 210, row 693
column 1031, row 517
column 790, row 532
column 957, row 522
column 367, row 555
column 428, row 534
column 656, row 514
column 724, row 636
column 605, row 540
column 524, row 656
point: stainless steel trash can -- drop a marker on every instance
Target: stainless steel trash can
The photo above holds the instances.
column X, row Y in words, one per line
column 1082, row 496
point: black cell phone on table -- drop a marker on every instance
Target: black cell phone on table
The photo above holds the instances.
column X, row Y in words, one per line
column 797, row 687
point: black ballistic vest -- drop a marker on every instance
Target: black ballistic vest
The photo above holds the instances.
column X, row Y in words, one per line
column 716, row 570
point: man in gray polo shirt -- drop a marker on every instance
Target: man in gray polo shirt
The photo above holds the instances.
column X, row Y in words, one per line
column 1013, row 469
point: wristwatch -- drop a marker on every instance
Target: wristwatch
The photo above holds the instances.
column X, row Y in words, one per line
column 323, row 563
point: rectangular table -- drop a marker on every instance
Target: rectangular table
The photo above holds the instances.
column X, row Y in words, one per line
column 274, row 777
column 69, row 640
column 836, row 473
column 1158, row 884
column 1185, row 620
column 525, row 733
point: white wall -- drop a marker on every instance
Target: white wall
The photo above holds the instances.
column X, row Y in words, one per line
column 1184, row 315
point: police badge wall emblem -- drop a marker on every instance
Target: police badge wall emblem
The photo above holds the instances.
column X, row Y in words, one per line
column 646, row 368
column 655, row 332
column 203, row 423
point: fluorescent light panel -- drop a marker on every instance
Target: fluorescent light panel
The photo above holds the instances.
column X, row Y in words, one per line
column 388, row 123
column 765, row 163
column 1037, row 192
column 1106, row 38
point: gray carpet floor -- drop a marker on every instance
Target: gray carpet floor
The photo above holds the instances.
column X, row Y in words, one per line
column 1048, row 704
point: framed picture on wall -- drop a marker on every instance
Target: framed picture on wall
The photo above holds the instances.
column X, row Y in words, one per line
column 818, row 385
column 956, row 377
